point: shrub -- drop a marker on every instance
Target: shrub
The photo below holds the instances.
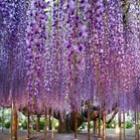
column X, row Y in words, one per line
column 7, row 124
column 128, row 124
column 42, row 125
column 111, row 125
column 24, row 125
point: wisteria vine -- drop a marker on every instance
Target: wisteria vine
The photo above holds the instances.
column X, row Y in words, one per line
column 57, row 54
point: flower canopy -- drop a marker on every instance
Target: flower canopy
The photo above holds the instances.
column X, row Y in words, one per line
column 57, row 54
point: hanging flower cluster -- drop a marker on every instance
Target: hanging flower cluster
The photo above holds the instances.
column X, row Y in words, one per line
column 12, row 46
column 36, row 43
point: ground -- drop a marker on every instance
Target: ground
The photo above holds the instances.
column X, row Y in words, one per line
column 111, row 135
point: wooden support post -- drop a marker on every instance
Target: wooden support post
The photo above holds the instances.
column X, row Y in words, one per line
column 50, row 122
column 46, row 124
column 99, row 124
column 11, row 120
column 120, row 125
column 136, row 125
column 2, row 122
column 28, row 126
column 38, row 123
column 123, row 125
column 75, row 125
column 14, row 123
column 137, row 137
column 52, row 132
column 95, row 127
column 88, row 121
column 104, row 125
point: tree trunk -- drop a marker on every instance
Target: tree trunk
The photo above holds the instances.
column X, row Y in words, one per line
column 62, row 126
column 68, row 123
